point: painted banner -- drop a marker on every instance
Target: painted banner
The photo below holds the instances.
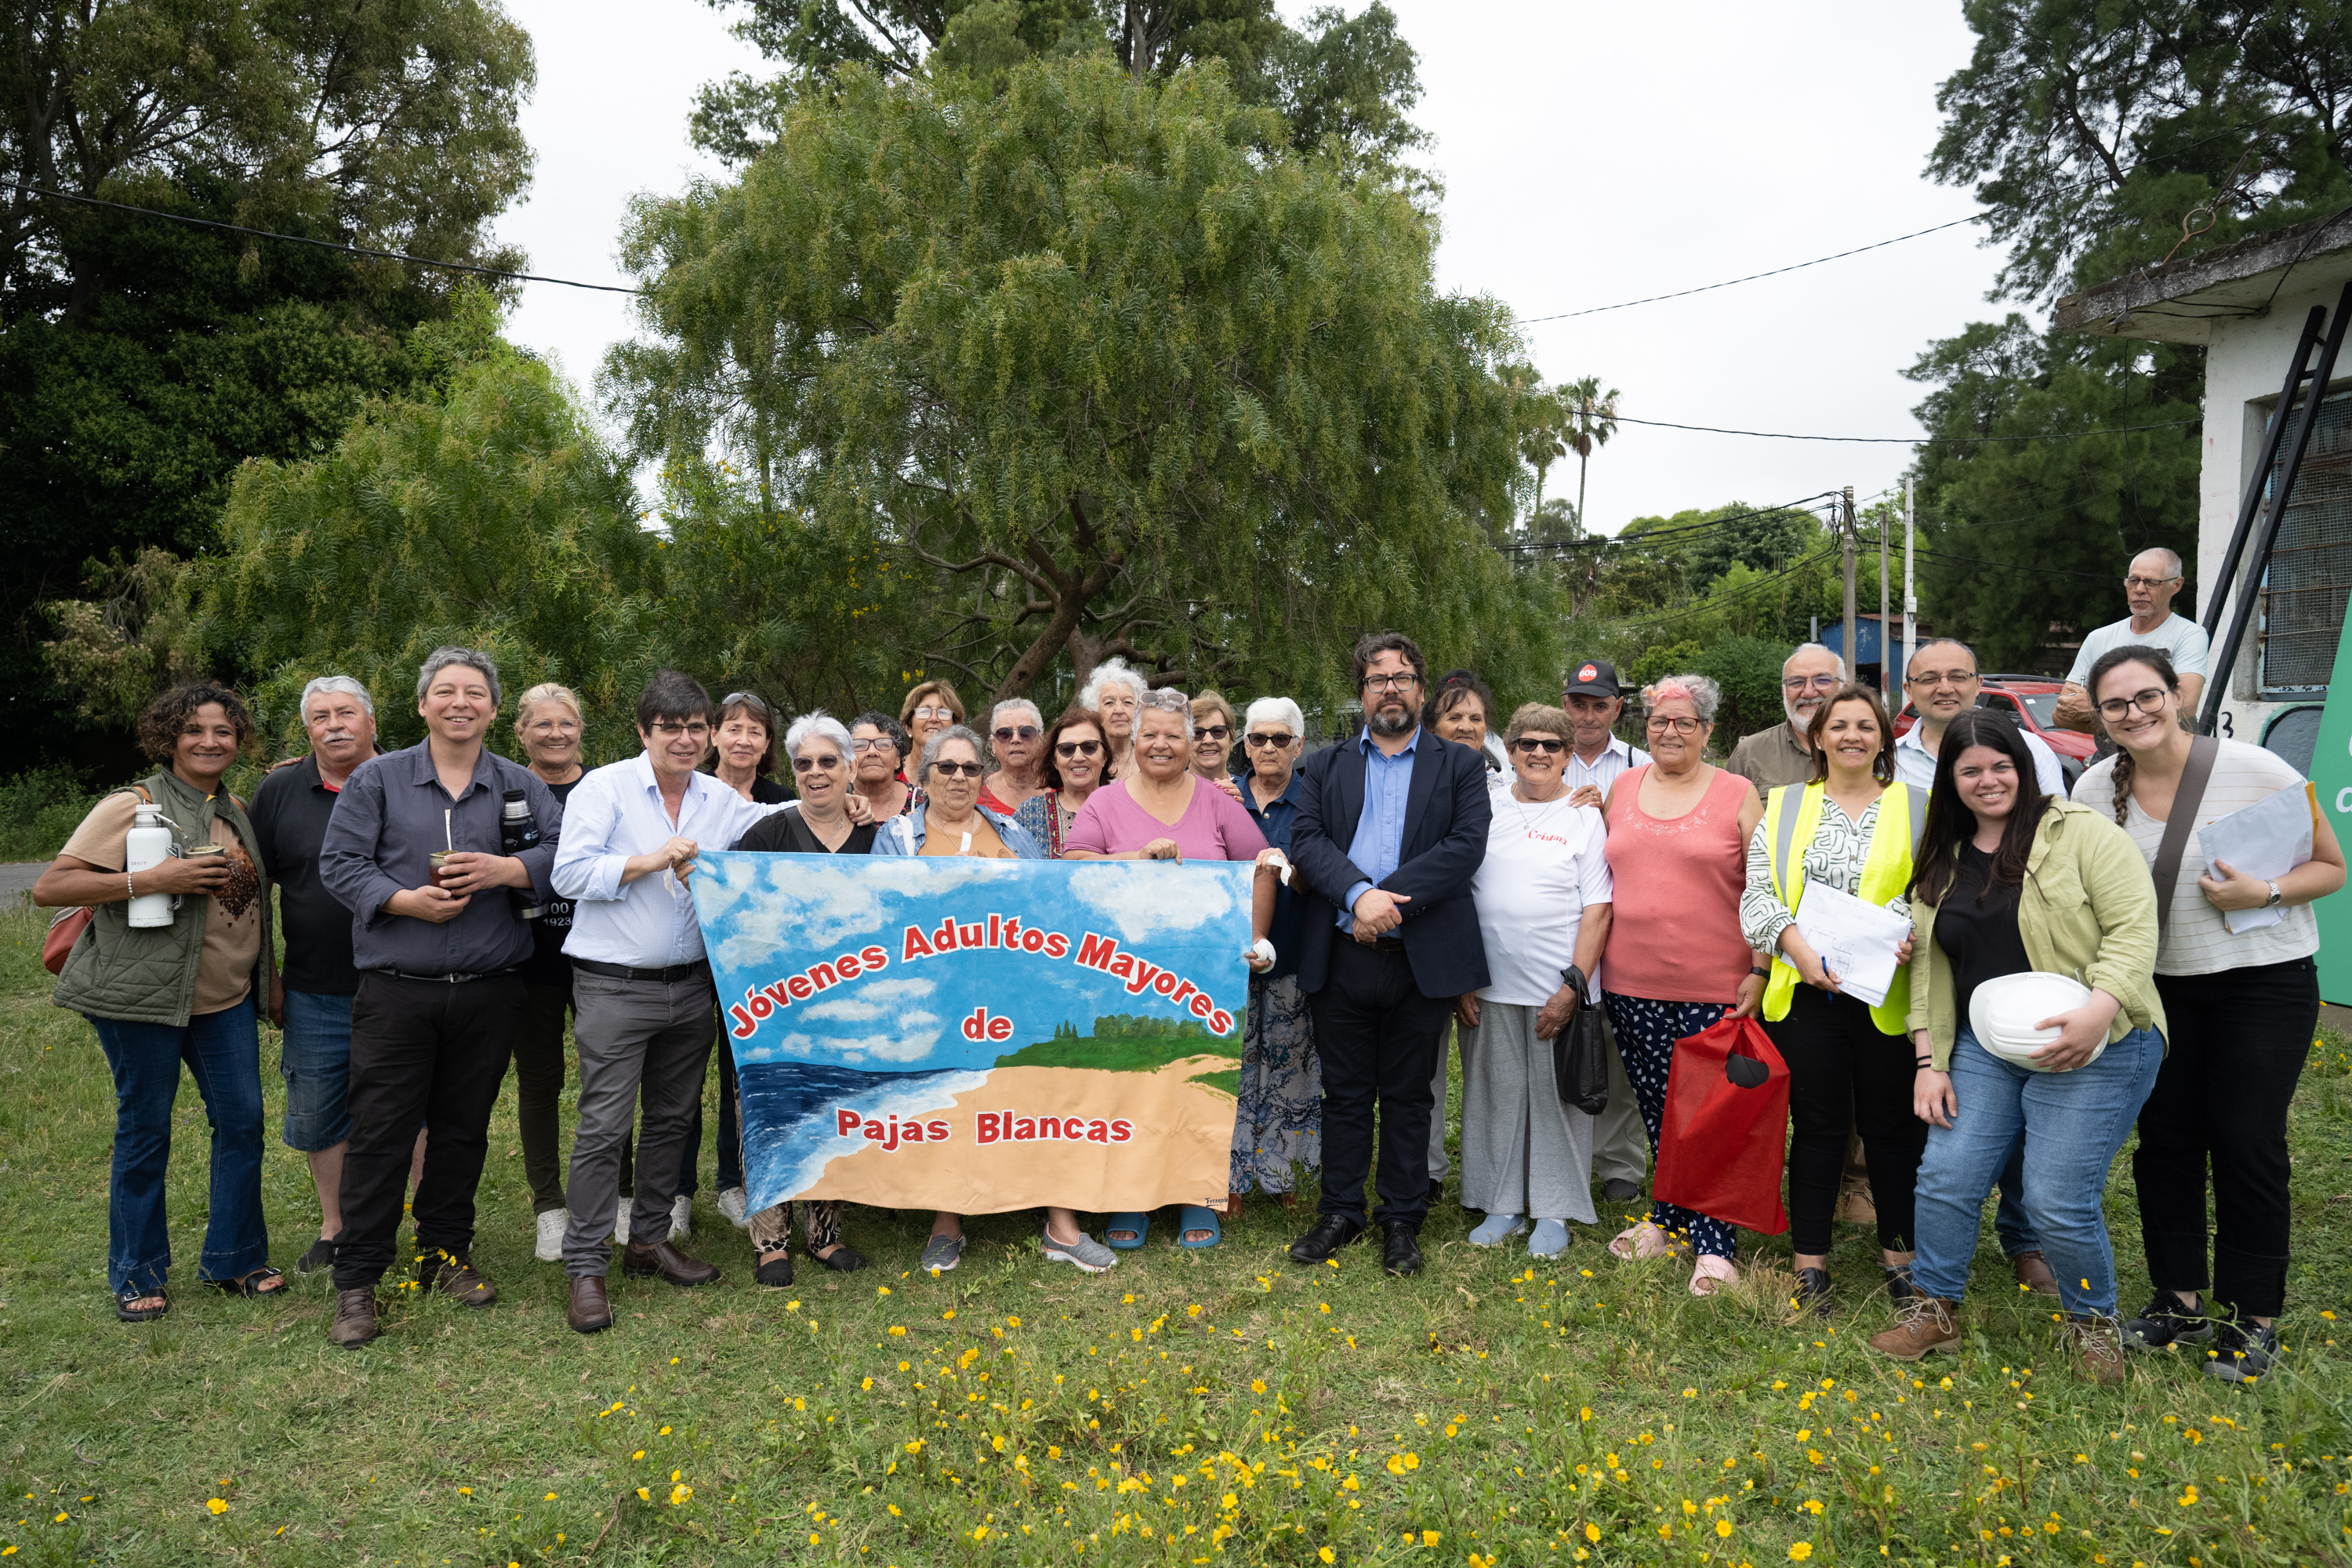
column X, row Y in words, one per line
column 2331, row 775
column 980, row 1036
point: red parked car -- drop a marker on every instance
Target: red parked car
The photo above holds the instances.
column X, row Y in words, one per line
column 2032, row 701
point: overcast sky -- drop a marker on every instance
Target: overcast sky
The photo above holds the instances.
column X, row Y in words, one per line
column 1590, row 154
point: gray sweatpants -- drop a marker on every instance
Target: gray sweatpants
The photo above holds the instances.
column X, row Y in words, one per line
column 1523, row 1151
column 636, row 1037
column 1621, row 1144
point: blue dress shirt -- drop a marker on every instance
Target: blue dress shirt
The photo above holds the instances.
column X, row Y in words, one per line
column 1379, row 843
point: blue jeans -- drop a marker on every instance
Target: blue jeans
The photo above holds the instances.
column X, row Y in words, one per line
column 222, row 1051
column 2073, row 1124
column 315, row 1061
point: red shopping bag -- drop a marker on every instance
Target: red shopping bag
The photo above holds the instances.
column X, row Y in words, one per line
column 1725, row 1135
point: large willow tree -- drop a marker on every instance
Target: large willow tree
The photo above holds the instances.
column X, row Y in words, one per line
column 1090, row 371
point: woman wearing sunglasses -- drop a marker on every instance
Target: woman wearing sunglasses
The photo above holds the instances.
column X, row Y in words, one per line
column 1020, row 776
column 1278, row 1124
column 1215, row 731
column 817, row 823
column 1075, row 752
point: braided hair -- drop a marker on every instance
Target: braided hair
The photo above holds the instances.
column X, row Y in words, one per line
column 2157, row 661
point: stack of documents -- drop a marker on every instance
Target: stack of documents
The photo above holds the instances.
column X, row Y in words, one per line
column 1857, row 941
column 2266, row 840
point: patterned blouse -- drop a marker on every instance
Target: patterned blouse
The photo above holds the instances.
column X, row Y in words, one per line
column 1835, row 856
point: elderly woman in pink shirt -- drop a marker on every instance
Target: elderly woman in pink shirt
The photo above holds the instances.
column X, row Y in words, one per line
column 1162, row 810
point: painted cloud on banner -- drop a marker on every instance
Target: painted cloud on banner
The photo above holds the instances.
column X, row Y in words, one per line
column 1134, row 896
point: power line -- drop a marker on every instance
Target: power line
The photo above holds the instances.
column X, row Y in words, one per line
column 1909, row 440
column 1737, row 594
column 1730, row 282
column 336, row 246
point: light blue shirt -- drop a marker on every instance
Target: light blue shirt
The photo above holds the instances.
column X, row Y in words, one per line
column 1379, row 843
column 614, row 813
column 1913, row 765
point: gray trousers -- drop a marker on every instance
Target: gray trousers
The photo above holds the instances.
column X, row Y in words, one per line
column 1621, row 1144
column 636, row 1037
column 1523, row 1151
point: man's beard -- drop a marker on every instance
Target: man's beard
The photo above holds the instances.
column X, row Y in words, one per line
column 1799, row 723
column 1379, row 723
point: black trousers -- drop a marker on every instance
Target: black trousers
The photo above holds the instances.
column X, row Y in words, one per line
column 422, row 1050
column 539, row 1089
column 2238, row 1041
column 1843, row 1073
column 1379, row 1037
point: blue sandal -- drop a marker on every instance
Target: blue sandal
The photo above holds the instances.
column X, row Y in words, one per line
column 1137, row 1225
column 1198, row 1217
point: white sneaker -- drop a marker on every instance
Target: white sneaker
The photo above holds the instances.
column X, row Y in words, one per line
column 682, row 1219
column 621, row 1221
column 733, row 1207
column 552, row 1224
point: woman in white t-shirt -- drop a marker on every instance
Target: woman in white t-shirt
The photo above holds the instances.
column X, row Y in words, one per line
column 2242, row 1007
column 1543, row 895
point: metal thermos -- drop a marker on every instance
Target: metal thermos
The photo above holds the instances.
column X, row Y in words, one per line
column 519, row 831
column 147, row 845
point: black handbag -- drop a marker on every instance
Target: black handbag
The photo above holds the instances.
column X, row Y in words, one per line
column 1579, row 1061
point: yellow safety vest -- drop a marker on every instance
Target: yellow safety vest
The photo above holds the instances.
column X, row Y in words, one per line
column 1791, row 815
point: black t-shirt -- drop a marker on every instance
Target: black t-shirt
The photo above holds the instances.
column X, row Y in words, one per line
column 783, row 832
column 1980, row 939
column 289, row 815
column 766, row 791
column 546, row 964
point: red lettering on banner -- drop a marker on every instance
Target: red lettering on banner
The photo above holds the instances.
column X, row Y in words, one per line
column 799, row 987
column 1121, row 1130
column 914, row 946
column 1097, row 952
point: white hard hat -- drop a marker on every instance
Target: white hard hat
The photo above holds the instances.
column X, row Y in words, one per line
column 2002, row 1013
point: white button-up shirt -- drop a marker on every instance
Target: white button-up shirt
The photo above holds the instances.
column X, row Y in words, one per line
column 1601, row 771
column 614, row 813
column 1913, row 765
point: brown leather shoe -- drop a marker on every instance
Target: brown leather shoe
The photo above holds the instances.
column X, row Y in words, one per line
column 355, row 1321
column 668, row 1262
column 454, row 1278
column 591, row 1310
column 1855, row 1205
column 2100, row 1344
column 1922, row 1325
column 2034, row 1273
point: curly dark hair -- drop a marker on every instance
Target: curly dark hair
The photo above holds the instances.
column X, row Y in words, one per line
column 166, row 718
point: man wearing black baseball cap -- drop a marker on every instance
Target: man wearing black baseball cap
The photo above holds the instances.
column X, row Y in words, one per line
column 1594, row 702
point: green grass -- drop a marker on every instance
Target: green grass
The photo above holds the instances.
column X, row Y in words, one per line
column 1122, row 1053
column 1013, row 1414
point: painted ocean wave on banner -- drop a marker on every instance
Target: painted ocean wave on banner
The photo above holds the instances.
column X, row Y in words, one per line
column 979, row 1035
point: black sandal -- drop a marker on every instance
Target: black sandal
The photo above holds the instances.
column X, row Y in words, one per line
column 125, row 1313
column 250, row 1284
column 843, row 1258
column 776, row 1273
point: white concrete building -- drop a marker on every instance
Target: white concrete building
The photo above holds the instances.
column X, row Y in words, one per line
column 2247, row 303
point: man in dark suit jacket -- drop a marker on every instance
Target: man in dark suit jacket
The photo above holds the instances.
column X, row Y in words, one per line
column 1391, row 826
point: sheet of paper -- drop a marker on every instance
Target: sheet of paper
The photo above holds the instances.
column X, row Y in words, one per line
column 2267, row 840
column 1857, row 940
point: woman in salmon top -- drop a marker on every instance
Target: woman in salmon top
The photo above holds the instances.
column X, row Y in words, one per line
column 1677, row 961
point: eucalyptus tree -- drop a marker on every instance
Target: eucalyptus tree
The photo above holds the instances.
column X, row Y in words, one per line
column 1102, row 371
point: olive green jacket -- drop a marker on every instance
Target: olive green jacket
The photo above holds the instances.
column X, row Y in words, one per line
column 2087, row 908
column 149, row 976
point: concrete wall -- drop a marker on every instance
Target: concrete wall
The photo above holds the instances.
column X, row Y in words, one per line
column 2245, row 362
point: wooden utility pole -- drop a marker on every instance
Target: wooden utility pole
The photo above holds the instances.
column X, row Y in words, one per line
column 1885, row 643
column 1846, row 526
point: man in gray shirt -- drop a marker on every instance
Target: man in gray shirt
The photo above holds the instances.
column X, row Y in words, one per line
column 440, row 997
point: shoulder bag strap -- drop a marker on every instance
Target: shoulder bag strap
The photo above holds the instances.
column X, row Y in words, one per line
column 2178, row 823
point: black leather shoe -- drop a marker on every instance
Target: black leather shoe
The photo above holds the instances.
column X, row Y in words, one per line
column 1618, row 1190
column 1814, row 1291
column 1898, row 1282
column 1331, row 1233
column 1401, row 1247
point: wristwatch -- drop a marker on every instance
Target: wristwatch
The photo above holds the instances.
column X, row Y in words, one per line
column 1759, row 972
column 2275, row 898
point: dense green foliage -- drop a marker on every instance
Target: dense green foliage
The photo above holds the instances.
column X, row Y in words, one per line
column 2096, row 135
column 1100, row 373
column 141, row 361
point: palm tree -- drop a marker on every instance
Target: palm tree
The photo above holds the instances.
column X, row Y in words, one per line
column 1591, row 418
column 1543, row 420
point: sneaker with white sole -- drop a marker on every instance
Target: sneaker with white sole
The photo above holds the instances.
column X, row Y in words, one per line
column 941, row 1253
column 682, row 1219
column 552, row 1224
column 1086, row 1254
column 621, row 1221
column 734, row 1207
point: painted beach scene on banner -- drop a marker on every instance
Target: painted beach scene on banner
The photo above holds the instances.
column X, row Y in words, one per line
column 980, row 1036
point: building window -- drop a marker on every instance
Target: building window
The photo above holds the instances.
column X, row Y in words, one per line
column 2309, row 576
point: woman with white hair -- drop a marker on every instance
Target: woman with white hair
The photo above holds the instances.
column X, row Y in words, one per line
column 1677, row 961
column 1115, row 690
column 1018, row 730
column 1278, row 1124
column 818, row 746
column 1165, row 811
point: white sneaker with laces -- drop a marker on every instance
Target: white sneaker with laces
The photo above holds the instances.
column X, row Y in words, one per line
column 734, row 1208
column 621, row 1221
column 551, row 1223
column 682, row 1219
